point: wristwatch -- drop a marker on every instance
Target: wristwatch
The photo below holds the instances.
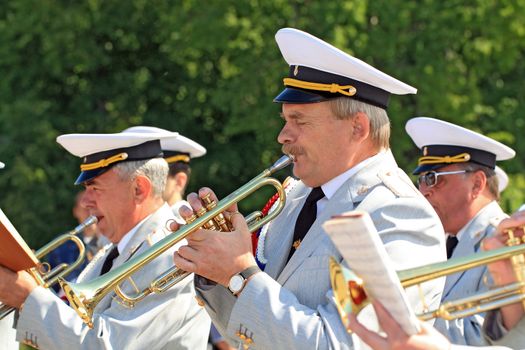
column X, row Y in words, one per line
column 238, row 281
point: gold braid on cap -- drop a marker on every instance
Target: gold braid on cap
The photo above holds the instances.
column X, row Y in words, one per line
column 104, row 162
column 347, row 90
column 460, row 158
column 178, row 158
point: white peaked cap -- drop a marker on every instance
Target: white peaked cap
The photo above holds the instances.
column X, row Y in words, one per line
column 301, row 50
column 438, row 138
column 503, row 179
column 82, row 145
column 2, row 165
column 101, row 151
column 177, row 143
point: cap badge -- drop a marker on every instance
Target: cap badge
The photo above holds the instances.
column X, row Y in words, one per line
column 425, row 151
column 296, row 71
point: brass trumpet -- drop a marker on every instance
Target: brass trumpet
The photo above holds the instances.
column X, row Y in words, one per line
column 42, row 273
column 350, row 292
column 83, row 297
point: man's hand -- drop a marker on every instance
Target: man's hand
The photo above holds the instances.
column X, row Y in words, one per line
column 15, row 287
column 502, row 271
column 212, row 254
column 396, row 339
column 516, row 223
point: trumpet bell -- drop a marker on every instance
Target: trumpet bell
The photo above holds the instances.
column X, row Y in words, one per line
column 350, row 291
column 79, row 296
column 47, row 278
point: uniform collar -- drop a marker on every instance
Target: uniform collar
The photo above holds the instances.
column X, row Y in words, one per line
column 127, row 237
column 331, row 187
column 474, row 226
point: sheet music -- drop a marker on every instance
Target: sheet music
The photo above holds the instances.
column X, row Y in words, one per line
column 15, row 254
column 356, row 238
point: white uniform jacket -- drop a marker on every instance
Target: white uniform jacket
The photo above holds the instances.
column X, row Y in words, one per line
column 171, row 320
column 289, row 305
column 7, row 333
column 468, row 330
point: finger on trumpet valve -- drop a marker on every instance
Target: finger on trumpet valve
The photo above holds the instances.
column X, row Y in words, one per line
column 220, row 220
column 191, row 219
column 209, row 225
column 512, row 239
column 223, row 224
column 201, row 212
column 208, row 202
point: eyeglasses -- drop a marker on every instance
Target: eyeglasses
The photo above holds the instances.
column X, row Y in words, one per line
column 430, row 179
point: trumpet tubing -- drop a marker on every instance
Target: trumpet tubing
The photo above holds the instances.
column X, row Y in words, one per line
column 47, row 277
column 85, row 296
column 350, row 294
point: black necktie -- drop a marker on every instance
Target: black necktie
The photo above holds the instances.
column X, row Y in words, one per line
column 306, row 218
column 452, row 242
column 108, row 263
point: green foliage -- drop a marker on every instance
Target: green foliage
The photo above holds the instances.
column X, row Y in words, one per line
column 210, row 71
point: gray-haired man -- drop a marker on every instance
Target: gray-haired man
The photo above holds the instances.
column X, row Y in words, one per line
column 124, row 177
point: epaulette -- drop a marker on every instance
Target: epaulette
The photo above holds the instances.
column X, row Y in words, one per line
column 398, row 183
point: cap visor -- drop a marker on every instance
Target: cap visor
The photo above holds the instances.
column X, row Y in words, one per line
column 89, row 175
column 427, row 167
column 289, row 95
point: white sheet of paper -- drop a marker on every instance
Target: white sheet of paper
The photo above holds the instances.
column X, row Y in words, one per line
column 356, row 238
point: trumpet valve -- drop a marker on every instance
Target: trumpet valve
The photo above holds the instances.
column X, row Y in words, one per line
column 220, row 220
column 208, row 202
column 209, row 225
column 223, row 224
column 191, row 219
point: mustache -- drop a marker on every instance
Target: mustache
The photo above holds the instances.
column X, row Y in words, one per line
column 292, row 150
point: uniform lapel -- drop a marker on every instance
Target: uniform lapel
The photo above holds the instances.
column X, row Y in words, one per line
column 280, row 233
column 135, row 244
column 92, row 269
column 346, row 198
column 473, row 233
column 340, row 202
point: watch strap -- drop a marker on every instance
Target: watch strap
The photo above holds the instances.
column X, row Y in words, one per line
column 252, row 270
column 244, row 275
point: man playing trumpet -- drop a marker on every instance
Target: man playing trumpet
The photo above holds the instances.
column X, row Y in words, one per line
column 504, row 326
column 337, row 130
column 124, row 177
column 457, row 176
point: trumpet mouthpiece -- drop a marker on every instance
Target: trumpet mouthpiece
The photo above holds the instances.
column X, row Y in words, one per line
column 281, row 163
column 92, row 219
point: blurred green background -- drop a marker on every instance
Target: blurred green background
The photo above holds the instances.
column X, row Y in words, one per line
column 210, row 70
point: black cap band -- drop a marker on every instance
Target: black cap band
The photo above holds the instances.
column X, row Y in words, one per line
column 432, row 155
column 147, row 150
column 364, row 92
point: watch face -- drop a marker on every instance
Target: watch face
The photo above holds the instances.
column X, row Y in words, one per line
column 236, row 283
